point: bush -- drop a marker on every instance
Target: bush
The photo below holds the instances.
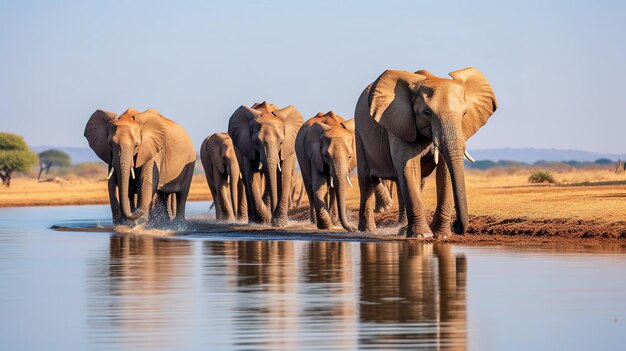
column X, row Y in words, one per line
column 603, row 161
column 541, row 176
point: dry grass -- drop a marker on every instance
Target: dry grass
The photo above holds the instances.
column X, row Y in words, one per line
column 597, row 197
column 29, row 192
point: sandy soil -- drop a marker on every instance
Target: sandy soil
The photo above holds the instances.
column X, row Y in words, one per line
column 504, row 207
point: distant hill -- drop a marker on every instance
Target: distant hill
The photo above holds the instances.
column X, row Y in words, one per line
column 77, row 154
column 530, row 155
column 526, row 155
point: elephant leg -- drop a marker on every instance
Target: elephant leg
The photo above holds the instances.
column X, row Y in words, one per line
column 401, row 210
column 225, row 203
column 308, row 187
column 242, row 211
column 215, row 197
column 146, row 190
column 334, row 213
column 323, row 218
column 261, row 211
column 181, row 196
column 445, row 203
column 383, row 199
column 409, row 180
column 280, row 216
column 116, row 213
column 159, row 212
column 366, row 204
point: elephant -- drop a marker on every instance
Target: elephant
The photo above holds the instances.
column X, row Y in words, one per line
column 148, row 155
column 404, row 121
column 265, row 137
column 325, row 150
column 297, row 190
column 219, row 160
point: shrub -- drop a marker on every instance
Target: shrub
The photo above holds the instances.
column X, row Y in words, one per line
column 541, row 176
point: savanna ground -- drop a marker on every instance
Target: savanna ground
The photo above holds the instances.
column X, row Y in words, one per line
column 586, row 205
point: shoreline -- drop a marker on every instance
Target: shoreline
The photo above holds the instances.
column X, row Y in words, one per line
column 586, row 206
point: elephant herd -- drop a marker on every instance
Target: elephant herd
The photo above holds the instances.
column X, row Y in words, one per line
column 406, row 125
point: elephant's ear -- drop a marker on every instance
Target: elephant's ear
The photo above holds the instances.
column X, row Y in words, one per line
column 349, row 125
column 479, row 97
column 313, row 145
column 213, row 150
column 293, row 121
column 391, row 102
column 153, row 129
column 97, row 133
column 240, row 129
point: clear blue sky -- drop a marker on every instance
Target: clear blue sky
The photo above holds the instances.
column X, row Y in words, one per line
column 558, row 68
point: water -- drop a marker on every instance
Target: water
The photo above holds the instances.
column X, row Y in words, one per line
column 94, row 290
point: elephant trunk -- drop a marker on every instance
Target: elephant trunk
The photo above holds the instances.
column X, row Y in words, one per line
column 452, row 146
column 123, row 173
column 272, row 174
column 234, row 187
column 341, row 179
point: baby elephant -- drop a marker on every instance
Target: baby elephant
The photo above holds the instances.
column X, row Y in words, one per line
column 219, row 160
column 325, row 149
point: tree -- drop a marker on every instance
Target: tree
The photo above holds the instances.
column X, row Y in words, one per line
column 14, row 156
column 50, row 158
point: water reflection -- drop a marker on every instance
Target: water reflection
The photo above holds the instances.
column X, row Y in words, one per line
column 135, row 292
column 345, row 295
column 412, row 294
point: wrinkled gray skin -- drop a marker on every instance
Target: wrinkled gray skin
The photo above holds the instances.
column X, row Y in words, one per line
column 224, row 178
column 265, row 137
column 402, row 121
column 160, row 154
column 325, row 150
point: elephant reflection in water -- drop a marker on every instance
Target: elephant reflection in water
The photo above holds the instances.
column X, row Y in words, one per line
column 268, row 270
column 411, row 282
column 133, row 296
column 331, row 264
column 288, row 289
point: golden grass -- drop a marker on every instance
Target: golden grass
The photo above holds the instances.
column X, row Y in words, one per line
column 29, row 192
column 500, row 193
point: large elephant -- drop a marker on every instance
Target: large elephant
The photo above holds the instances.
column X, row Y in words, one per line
column 147, row 154
column 404, row 121
column 219, row 160
column 265, row 136
column 326, row 153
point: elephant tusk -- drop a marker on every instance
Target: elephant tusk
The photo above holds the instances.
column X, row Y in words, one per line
column 331, row 182
column 240, row 176
column 228, row 179
column 349, row 182
column 436, row 155
column 279, row 169
column 260, row 166
column 132, row 172
column 468, row 156
column 110, row 173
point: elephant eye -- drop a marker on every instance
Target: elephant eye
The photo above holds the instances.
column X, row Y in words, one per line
column 427, row 112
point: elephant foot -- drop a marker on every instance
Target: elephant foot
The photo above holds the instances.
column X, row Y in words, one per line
column 415, row 231
column 141, row 221
column 349, row 228
column 368, row 228
column 441, row 231
column 323, row 226
column 279, row 222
